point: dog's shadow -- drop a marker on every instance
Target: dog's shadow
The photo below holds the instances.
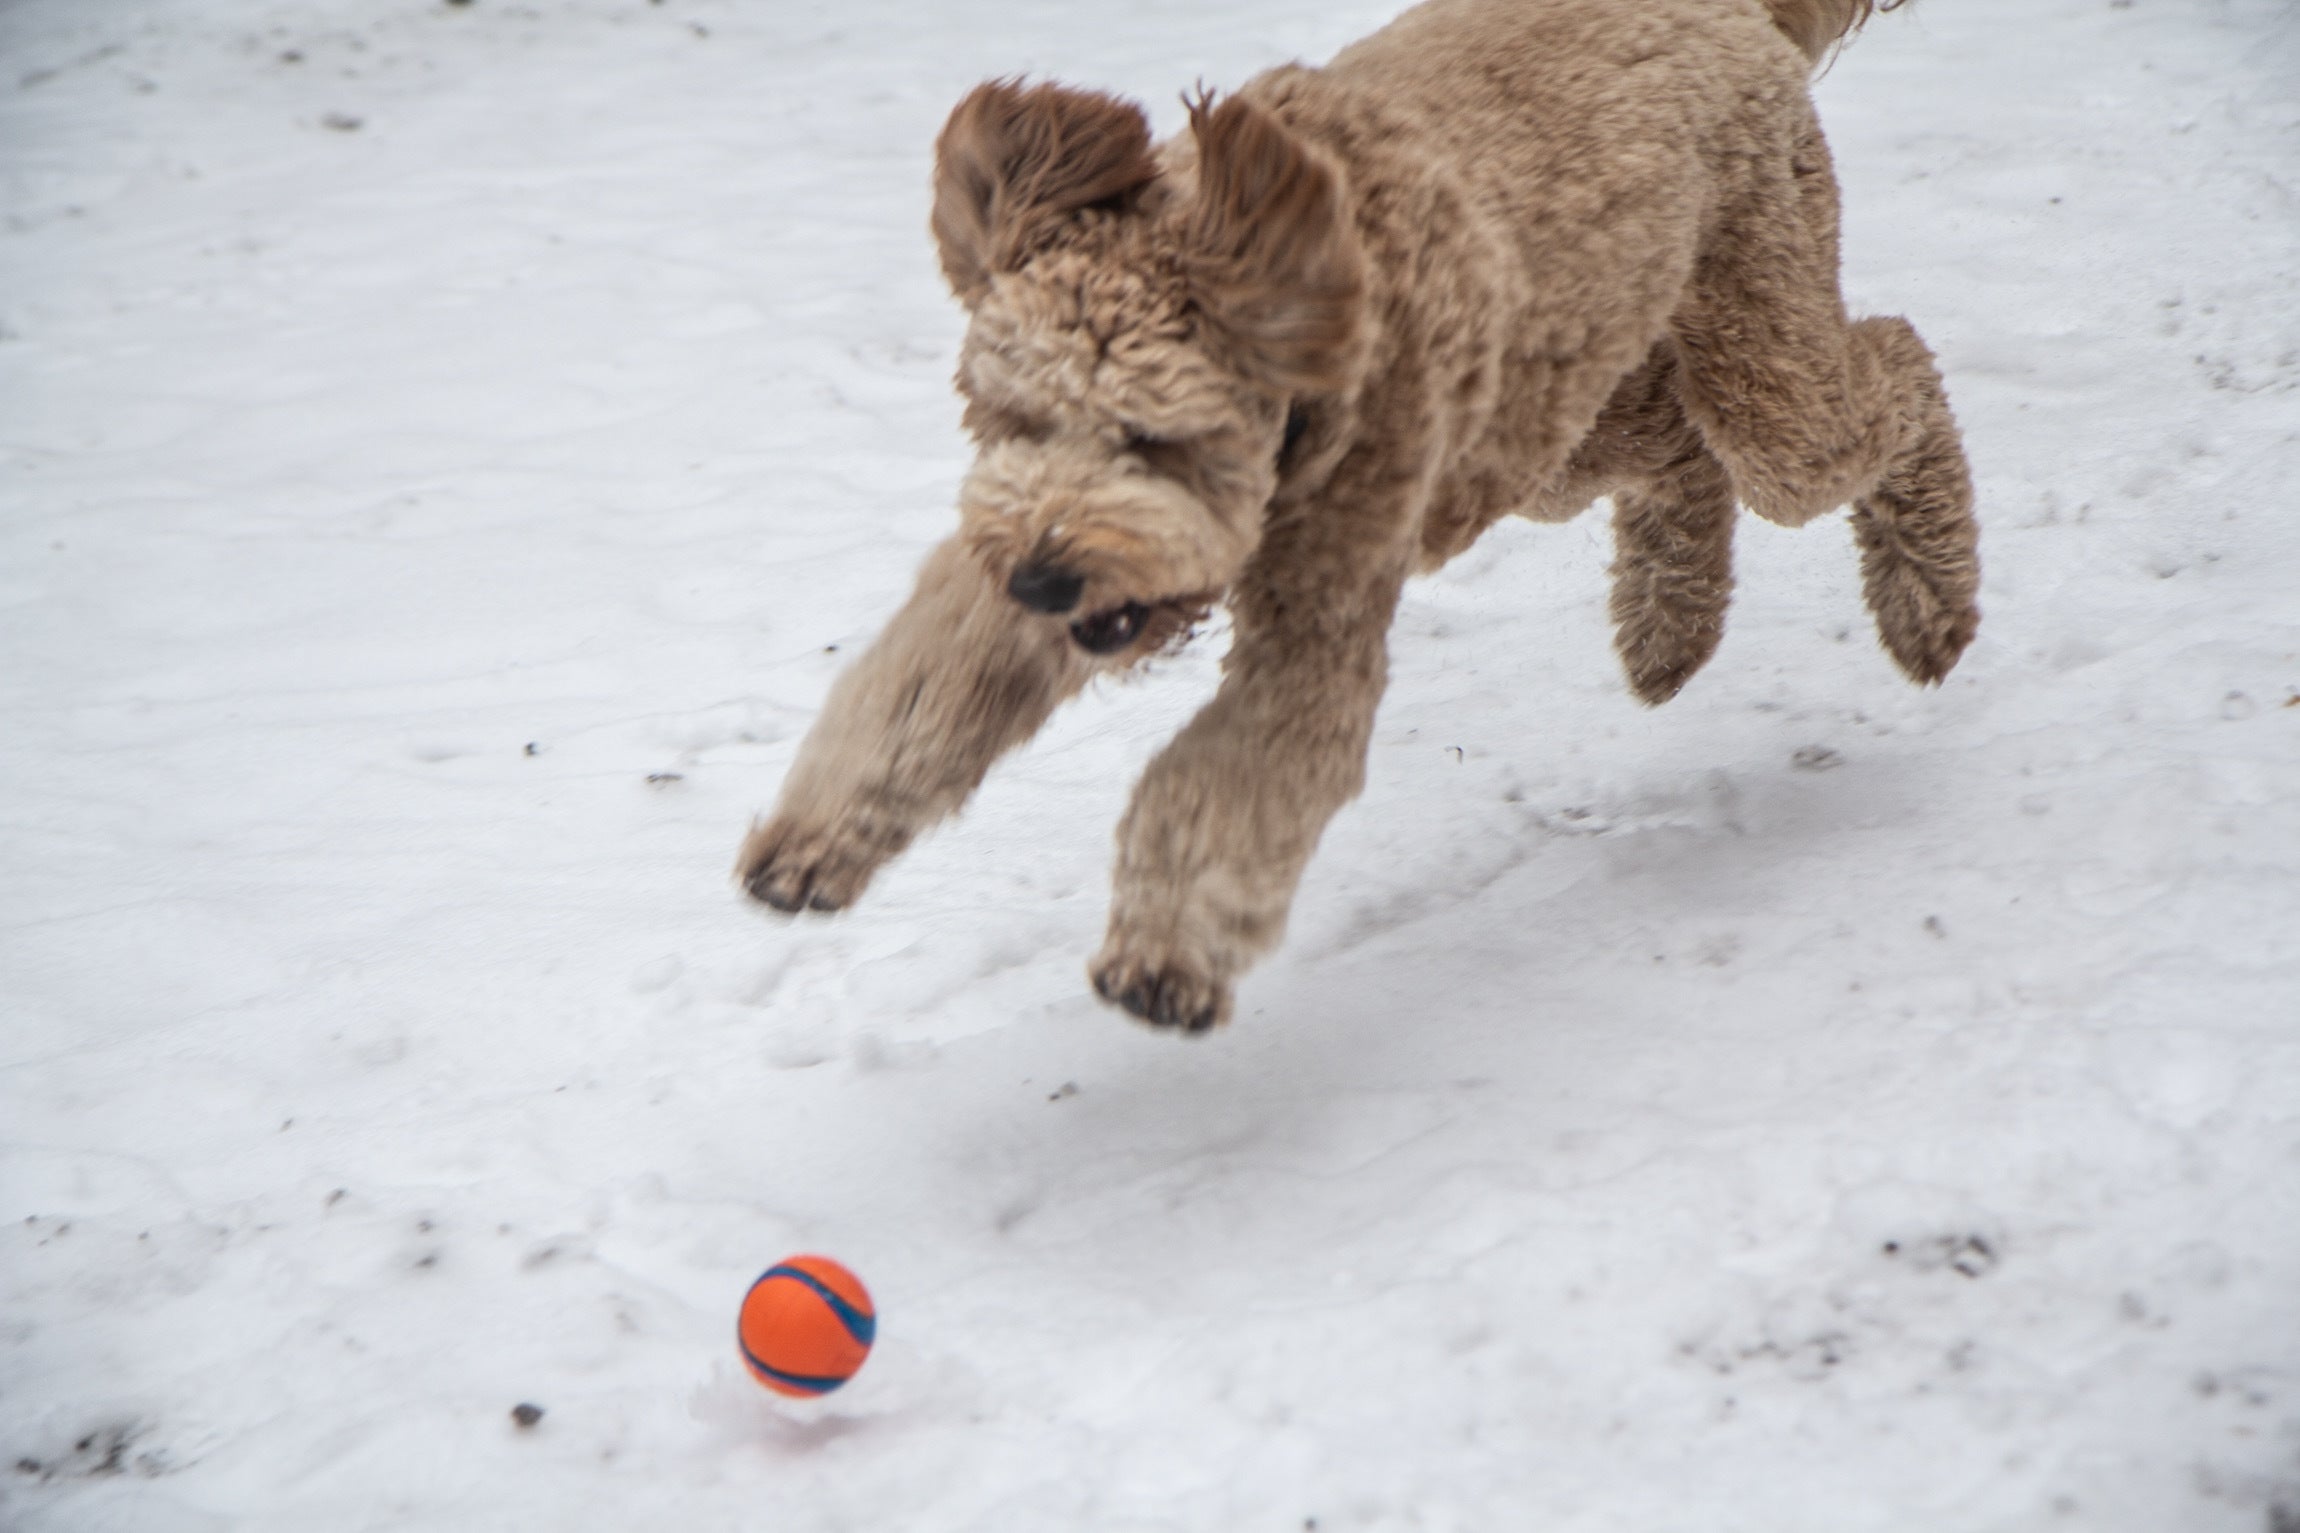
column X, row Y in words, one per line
column 1492, row 1015
column 1658, row 849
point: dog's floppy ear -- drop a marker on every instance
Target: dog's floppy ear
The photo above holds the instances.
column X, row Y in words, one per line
column 1014, row 161
column 1273, row 257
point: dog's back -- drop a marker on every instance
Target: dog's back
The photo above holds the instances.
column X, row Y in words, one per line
column 1814, row 26
column 1538, row 180
column 1529, row 101
column 1566, row 118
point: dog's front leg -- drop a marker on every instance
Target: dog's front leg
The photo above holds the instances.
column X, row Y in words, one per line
column 960, row 676
column 1228, row 814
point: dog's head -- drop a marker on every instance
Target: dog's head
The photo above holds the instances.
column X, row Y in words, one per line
column 1147, row 334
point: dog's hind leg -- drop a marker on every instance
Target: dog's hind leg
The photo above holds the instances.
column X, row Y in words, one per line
column 1920, row 554
column 1808, row 412
column 1673, row 515
column 961, row 675
column 1672, row 574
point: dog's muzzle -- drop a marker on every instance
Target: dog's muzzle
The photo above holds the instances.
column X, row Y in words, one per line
column 1050, row 589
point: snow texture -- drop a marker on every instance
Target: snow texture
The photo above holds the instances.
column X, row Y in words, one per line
column 447, row 449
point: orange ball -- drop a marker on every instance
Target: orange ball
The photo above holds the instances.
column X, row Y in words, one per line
column 806, row 1326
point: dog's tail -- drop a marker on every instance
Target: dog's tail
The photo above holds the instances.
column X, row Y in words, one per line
column 1819, row 25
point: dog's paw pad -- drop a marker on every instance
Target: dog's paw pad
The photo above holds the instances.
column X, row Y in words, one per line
column 1164, row 995
column 794, row 869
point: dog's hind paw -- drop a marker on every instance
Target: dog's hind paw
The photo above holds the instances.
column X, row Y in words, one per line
column 1167, row 994
column 794, row 867
column 1923, row 598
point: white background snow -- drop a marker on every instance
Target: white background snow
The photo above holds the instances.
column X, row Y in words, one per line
column 445, row 453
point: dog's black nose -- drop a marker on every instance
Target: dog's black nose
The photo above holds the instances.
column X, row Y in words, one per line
column 1044, row 588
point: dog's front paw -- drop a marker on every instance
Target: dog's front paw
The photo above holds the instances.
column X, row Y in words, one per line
column 1163, row 991
column 794, row 866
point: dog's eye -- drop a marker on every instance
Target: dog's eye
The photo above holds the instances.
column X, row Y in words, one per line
column 1143, row 442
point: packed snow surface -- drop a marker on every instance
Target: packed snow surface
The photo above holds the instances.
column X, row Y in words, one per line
column 447, row 450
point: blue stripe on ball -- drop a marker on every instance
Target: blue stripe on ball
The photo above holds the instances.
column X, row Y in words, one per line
column 863, row 1328
column 801, row 1381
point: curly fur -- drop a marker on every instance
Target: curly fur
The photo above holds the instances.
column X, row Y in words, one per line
column 1502, row 257
column 1819, row 25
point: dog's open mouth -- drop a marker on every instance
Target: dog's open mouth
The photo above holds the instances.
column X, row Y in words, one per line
column 1106, row 633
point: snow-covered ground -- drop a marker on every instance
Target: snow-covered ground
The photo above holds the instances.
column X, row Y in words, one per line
column 445, row 452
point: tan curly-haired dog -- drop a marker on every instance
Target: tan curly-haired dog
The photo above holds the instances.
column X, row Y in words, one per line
column 1504, row 256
